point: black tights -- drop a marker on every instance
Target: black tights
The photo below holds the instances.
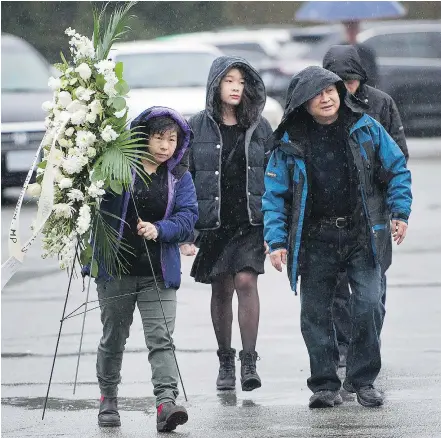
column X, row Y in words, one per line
column 245, row 284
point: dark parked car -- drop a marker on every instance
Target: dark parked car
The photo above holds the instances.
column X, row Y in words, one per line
column 409, row 63
column 24, row 80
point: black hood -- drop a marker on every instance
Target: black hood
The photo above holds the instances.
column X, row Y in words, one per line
column 303, row 87
column 345, row 62
column 218, row 70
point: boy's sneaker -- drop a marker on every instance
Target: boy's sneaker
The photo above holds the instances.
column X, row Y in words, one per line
column 108, row 415
column 325, row 399
column 169, row 416
column 367, row 395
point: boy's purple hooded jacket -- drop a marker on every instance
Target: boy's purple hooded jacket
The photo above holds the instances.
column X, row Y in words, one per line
column 181, row 214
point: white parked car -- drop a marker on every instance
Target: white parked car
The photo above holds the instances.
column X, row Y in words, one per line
column 174, row 75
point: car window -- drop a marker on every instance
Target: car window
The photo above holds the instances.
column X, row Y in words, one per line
column 231, row 48
column 166, row 69
column 23, row 70
column 406, row 45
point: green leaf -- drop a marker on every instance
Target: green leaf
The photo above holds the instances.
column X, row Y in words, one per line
column 119, row 67
column 86, row 255
column 122, row 88
column 97, row 175
column 42, row 165
column 100, row 81
column 94, row 270
column 63, row 59
column 116, row 186
column 119, row 103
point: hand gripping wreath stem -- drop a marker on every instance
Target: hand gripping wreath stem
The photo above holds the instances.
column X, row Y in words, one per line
column 160, row 301
column 59, row 331
column 85, row 304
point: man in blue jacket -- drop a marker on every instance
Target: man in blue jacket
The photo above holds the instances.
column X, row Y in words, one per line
column 335, row 183
column 152, row 220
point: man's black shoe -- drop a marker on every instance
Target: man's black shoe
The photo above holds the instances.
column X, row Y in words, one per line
column 367, row 395
column 325, row 399
column 169, row 416
column 248, row 375
column 227, row 370
column 108, row 415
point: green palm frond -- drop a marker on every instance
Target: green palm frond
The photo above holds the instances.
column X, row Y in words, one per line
column 111, row 251
column 123, row 156
column 116, row 28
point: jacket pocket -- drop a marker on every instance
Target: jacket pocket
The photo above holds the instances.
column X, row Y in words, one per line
column 368, row 172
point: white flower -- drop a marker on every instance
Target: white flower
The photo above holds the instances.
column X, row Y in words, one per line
column 85, row 139
column 47, row 106
column 47, row 122
column 95, row 190
column 69, row 132
column 84, row 94
column 75, row 195
column 56, row 157
column 120, row 114
column 78, row 117
column 65, row 183
column 75, row 106
column 91, row 117
column 105, row 66
column 91, row 152
column 95, row 107
column 54, row 83
column 34, row 190
column 83, row 221
column 84, row 71
column 63, row 142
column 64, row 99
column 74, row 164
column 63, row 210
column 108, row 134
column 85, row 48
column 109, row 86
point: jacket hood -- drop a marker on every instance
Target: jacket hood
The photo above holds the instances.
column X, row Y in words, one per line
column 345, row 62
column 162, row 111
column 218, row 70
column 307, row 84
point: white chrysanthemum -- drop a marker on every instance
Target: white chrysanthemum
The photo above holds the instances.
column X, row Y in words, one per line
column 108, row 134
column 91, row 152
column 47, row 106
column 84, row 93
column 34, row 190
column 109, row 86
column 69, row 132
column 78, row 117
column 84, row 71
column 54, row 83
column 75, row 195
column 85, row 139
column 64, row 99
column 63, row 210
column 65, row 183
column 95, row 190
column 105, row 66
column 74, row 164
column 70, row 32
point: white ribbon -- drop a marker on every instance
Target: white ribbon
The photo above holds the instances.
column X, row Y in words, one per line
column 45, row 205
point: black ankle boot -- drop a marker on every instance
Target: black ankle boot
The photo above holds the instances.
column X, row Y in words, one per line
column 227, row 370
column 249, row 378
column 169, row 416
column 108, row 415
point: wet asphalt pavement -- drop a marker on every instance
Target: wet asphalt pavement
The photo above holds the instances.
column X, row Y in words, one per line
column 32, row 305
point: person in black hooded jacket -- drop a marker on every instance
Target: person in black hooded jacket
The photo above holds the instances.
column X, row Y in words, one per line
column 345, row 62
column 227, row 161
